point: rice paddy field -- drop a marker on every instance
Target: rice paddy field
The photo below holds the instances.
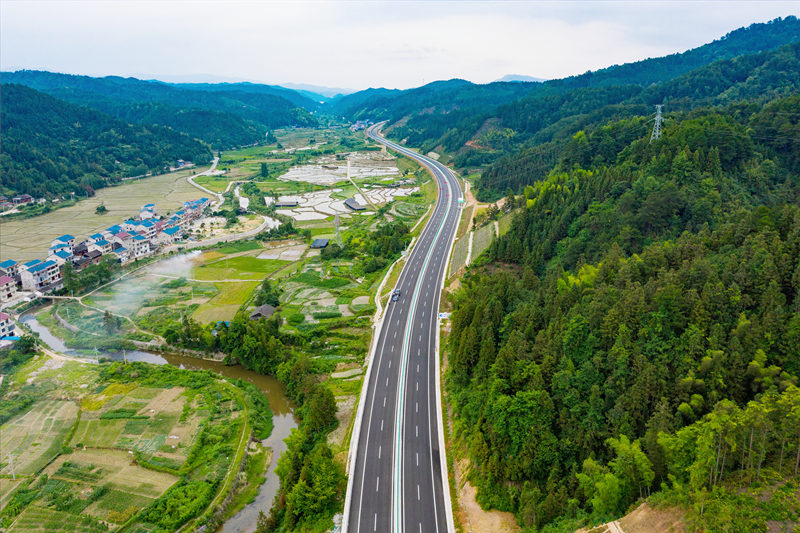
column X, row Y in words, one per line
column 113, row 448
column 26, row 239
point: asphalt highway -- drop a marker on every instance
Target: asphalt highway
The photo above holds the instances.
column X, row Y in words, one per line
column 398, row 480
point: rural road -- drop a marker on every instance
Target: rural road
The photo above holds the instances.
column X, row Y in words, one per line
column 208, row 172
column 398, row 474
column 268, row 223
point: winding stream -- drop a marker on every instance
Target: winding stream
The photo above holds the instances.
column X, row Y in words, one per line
column 282, row 413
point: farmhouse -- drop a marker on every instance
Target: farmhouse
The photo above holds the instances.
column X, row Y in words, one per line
column 8, row 288
column 6, row 325
column 168, row 236
column 61, row 257
column 148, row 212
column 101, row 245
column 44, row 276
column 319, row 244
column 9, row 267
column 286, row 203
column 22, row 199
column 64, row 239
column 122, row 253
column 262, row 311
column 92, row 258
column 352, row 204
column 139, row 247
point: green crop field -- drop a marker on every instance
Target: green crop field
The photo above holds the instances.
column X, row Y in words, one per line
column 132, row 445
column 242, row 268
column 37, row 436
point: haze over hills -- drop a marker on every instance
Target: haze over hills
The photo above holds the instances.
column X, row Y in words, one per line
column 520, row 77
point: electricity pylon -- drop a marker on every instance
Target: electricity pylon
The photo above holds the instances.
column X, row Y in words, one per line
column 657, row 126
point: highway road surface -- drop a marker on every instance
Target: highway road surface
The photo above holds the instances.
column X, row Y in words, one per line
column 398, row 477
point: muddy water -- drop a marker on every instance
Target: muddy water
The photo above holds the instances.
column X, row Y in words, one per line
column 282, row 413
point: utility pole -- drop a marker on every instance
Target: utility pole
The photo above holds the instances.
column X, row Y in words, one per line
column 657, row 126
column 337, row 234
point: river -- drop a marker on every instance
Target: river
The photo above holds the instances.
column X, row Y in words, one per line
column 283, row 418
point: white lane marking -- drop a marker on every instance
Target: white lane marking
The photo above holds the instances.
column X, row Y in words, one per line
column 417, row 491
column 387, row 381
column 416, row 406
column 417, row 367
column 416, row 431
column 377, row 483
column 381, row 424
column 379, row 451
column 384, row 401
column 375, row 523
column 417, row 385
column 390, row 363
column 392, row 350
column 395, row 334
column 417, row 458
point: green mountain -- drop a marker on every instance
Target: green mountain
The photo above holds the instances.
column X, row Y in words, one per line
column 223, row 117
column 479, row 123
column 634, row 334
column 643, row 291
column 52, row 147
column 522, row 148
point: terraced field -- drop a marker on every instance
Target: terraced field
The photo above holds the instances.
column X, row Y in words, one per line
column 36, row 437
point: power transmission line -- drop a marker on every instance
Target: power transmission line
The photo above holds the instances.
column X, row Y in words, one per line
column 657, row 126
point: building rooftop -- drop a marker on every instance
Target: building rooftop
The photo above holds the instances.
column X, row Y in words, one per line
column 5, row 280
column 32, row 262
column 4, row 316
column 320, row 243
column 262, row 311
column 41, row 266
column 8, row 263
column 352, row 204
column 65, row 238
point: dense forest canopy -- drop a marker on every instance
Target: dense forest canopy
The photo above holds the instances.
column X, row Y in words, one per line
column 646, row 296
column 227, row 116
column 54, row 148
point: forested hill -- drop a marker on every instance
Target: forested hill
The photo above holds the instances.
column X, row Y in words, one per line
column 478, row 123
column 223, row 118
column 636, row 331
column 541, row 127
column 54, row 148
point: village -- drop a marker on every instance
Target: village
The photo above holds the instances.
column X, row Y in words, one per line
column 128, row 241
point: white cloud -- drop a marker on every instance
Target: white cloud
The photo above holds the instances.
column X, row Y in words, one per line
column 357, row 44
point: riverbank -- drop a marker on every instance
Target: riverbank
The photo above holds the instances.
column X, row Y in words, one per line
column 283, row 421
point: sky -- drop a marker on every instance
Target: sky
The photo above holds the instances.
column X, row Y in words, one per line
column 357, row 44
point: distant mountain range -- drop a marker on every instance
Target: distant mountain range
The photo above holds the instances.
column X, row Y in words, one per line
column 443, row 115
column 520, row 77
